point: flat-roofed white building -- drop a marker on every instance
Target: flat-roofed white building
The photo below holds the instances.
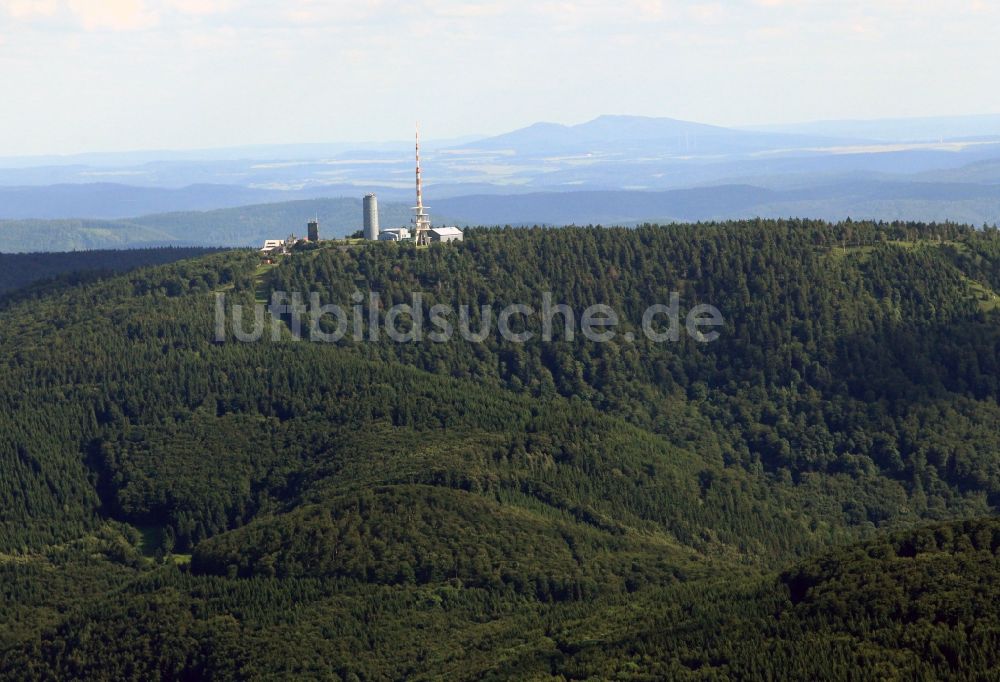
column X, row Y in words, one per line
column 445, row 234
column 394, row 234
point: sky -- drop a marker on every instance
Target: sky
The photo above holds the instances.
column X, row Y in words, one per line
column 115, row 75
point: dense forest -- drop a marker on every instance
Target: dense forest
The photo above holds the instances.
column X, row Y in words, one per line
column 19, row 270
column 810, row 496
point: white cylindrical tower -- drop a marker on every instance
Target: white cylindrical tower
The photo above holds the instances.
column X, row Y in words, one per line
column 371, row 217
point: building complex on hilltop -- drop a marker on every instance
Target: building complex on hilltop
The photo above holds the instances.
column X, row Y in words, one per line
column 421, row 232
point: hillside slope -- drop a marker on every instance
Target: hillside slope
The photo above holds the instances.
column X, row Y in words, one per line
column 179, row 507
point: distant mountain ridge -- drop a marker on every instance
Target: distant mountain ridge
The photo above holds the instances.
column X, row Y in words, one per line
column 628, row 133
column 602, row 129
column 897, row 130
column 610, row 170
column 105, row 200
column 239, row 226
column 840, row 197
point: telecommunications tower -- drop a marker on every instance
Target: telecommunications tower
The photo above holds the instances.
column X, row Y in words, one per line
column 421, row 219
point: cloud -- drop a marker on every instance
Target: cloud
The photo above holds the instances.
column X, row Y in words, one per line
column 26, row 9
column 708, row 13
column 91, row 15
column 113, row 15
column 467, row 10
column 201, row 7
column 116, row 15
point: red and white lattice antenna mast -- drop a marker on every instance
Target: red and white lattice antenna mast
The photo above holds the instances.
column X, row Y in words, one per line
column 421, row 219
column 420, row 185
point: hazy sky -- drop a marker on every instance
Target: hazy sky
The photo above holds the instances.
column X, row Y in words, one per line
column 90, row 75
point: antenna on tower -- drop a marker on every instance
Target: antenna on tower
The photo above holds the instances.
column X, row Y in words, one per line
column 421, row 220
column 420, row 189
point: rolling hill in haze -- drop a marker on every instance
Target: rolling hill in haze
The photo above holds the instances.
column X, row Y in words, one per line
column 966, row 195
column 111, row 201
column 618, row 170
column 897, row 130
column 813, row 495
column 607, row 154
column 242, row 226
column 890, row 201
column 620, row 135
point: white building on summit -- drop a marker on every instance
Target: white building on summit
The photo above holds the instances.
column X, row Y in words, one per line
column 395, row 234
column 445, row 234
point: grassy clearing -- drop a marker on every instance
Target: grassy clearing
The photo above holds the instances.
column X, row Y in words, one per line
column 259, row 278
column 988, row 299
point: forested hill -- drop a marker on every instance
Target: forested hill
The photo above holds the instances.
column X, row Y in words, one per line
column 181, row 508
column 19, row 270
